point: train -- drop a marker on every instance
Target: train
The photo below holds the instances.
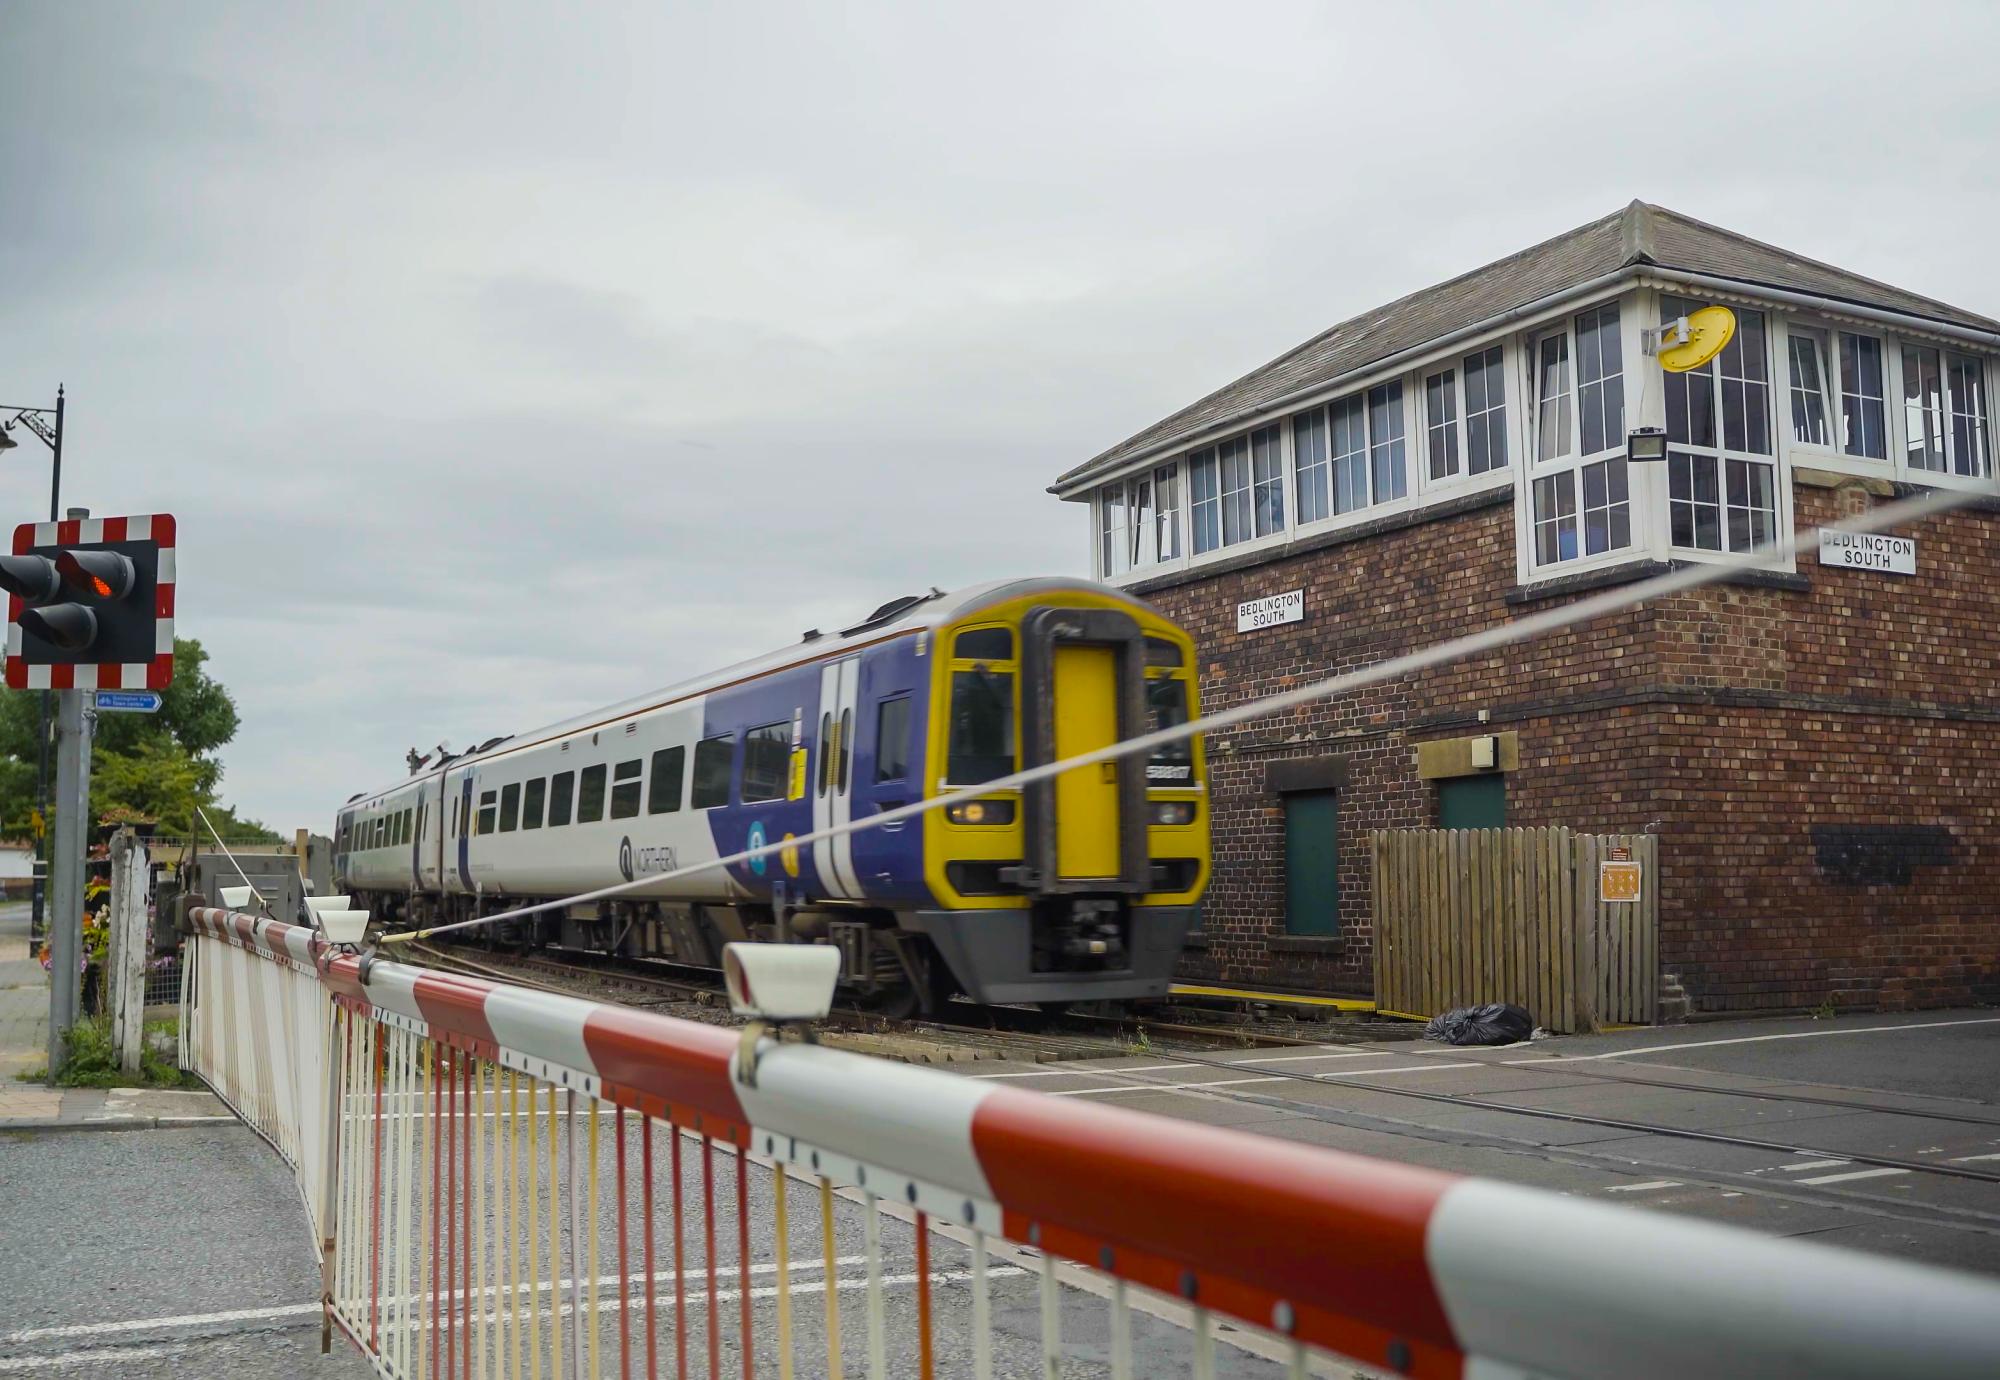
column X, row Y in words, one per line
column 1079, row 888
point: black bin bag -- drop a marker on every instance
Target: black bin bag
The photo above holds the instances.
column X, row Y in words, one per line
column 1502, row 1023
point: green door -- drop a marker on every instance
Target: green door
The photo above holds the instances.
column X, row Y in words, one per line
column 1473, row 802
column 1312, row 863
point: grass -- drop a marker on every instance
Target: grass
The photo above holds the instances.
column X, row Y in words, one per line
column 93, row 1061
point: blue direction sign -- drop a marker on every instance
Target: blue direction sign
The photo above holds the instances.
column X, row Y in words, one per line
column 129, row 701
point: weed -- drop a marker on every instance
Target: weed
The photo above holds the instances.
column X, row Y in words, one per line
column 92, row 1060
column 1824, row 1011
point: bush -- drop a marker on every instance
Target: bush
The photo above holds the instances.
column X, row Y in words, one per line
column 92, row 1060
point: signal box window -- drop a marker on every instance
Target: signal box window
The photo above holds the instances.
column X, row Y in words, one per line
column 562, row 787
column 892, row 739
column 488, row 812
column 532, row 800
column 669, row 766
column 625, row 789
column 510, row 808
column 711, row 773
column 766, row 750
column 590, row 795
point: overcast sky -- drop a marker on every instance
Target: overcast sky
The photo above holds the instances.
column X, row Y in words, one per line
column 502, row 361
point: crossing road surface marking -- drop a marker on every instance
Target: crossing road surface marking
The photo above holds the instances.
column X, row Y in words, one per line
column 1646, row 1187
column 1812, row 1164
column 1759, row 1039
column 1968, row 1159
column 1853, row 1174
column 1237, row 1082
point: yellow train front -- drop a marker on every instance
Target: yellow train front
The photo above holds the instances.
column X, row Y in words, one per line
column 1083, row 887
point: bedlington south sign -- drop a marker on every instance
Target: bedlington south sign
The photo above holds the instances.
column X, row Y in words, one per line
column 1271, row 610
column 1868, row 551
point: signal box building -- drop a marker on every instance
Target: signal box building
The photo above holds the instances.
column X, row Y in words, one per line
column 1814, row 742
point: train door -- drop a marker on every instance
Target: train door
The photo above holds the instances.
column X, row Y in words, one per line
column 1083, row 688
column 465, row 832
column 1087, row 833
column 833, row 859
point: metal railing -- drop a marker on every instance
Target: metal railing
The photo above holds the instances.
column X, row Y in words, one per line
column 509, row 1183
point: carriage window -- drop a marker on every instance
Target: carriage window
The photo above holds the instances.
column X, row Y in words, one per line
column 408, row 816
column 1167, row 707
column 590, row 795
column 825, row 751
column 981, row 744
column 984, row 644
column 510, row 808
column 840, row 767
column 625, row 789
column 381, row 830
column 766, row 750
column 562, row 786
column 531, row 803
column 669, row 765
column 489, row 811
column 892, row 739
column 711, row 773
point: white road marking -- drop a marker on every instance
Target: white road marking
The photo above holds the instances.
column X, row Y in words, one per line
column 1853, row 1174
column 1267, row 1078
column 1759, row 1039
column 1165, row 1068
column 101, row 1356
column 1812, row 1164
column 1970, row 1159
column 1646, row 1187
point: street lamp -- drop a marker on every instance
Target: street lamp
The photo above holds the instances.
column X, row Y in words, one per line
column 46, row 425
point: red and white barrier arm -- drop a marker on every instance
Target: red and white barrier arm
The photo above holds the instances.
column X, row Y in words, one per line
column 1402, row 1269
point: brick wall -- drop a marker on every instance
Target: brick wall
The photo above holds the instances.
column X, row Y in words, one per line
column 1816, row 754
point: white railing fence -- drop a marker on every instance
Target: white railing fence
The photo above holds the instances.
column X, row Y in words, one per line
column 514, row 1184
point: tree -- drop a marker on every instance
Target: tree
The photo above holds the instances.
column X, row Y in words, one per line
column 146, row 766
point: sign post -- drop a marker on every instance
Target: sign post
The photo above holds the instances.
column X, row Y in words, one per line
column 74, row 725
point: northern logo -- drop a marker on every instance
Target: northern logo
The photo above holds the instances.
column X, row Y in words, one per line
column 634, row 861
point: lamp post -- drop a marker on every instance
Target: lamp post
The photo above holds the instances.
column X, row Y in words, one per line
column 46, row 425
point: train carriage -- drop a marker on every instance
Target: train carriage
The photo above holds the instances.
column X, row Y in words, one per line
column 1079, row 888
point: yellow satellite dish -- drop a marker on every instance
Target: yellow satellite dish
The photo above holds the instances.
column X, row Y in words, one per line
column 1696, row 338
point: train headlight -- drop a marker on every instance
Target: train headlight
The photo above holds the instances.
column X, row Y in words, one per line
column 1173, row 812
column 980, row 812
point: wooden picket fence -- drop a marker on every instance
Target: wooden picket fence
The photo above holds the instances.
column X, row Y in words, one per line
column 1469, row 916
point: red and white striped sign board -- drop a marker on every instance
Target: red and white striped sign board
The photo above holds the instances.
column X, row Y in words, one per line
column 154, row 674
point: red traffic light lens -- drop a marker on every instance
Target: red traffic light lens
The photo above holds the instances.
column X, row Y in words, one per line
column 99, row 574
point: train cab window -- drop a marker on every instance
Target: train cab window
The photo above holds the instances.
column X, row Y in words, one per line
column 1167, row 707
column 669, row 767
column 489, row 812
column 711, row 773
column 766, row 751
column 532, row 798
column 980, row 745
column 561, row 787
column 510, row 808
column 1161, row 652
column 892, row 739
column 984, row 644
column 625, row 789
column 590, row 795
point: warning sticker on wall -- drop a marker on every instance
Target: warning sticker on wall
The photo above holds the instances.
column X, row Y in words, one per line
column 1618, row 881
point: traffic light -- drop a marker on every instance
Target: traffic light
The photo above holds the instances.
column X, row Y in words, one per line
column 90, row 604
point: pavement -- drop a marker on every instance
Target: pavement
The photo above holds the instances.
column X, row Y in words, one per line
column 1879, row 1133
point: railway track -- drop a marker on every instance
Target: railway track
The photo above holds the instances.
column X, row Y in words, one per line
column 1031, row 1036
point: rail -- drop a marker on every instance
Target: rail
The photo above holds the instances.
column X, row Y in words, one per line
column 509, row 1182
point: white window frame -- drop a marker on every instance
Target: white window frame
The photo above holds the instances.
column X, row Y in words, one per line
column 1899, row 438
column 1461, row 480
column 1527, row 468
column 1834, row 455
column 1145, row 544
column 1414, row 464
column 1777, row 373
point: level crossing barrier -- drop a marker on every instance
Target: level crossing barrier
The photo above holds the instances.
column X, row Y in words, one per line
column 506, row 1182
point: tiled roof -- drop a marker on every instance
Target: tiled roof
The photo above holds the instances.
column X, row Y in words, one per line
column 1638, row 234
